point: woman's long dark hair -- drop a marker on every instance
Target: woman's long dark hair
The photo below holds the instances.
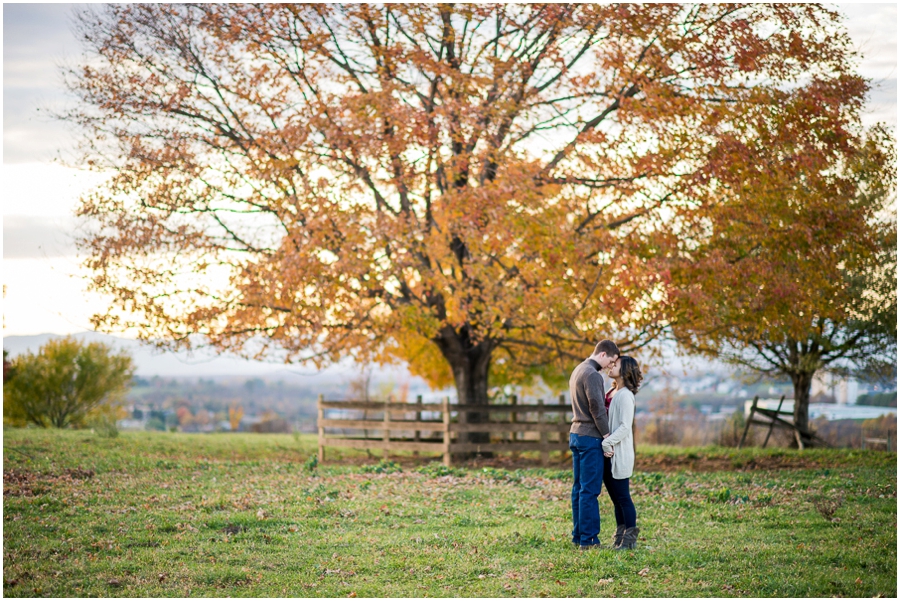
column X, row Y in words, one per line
column 631, row 375
column 630, row 372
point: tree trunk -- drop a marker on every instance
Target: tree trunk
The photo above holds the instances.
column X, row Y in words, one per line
column 470, row 363
column 802, row 383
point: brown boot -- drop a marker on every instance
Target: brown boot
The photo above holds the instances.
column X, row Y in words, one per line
column 617, row 539
column 629, row 539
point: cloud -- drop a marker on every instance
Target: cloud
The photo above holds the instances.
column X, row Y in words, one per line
column 29, row 237
column 37, row 39
column 873, row 29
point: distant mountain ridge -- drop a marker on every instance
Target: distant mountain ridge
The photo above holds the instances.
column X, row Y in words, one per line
column 150, row 361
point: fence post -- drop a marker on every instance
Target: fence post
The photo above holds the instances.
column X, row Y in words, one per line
column 772, row 425
column 749, row 419
column 513, row 435
column 542, row 419
column 386, row 435
column 445, row 408
column 418, row 435
column 321, row 429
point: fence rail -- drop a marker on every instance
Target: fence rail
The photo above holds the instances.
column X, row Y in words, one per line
column 398, row 432
column 869, row 442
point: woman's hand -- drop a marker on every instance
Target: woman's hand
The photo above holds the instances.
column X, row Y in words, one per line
column 610, row 454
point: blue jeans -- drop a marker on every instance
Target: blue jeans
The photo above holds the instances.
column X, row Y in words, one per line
column 621, row 498
column 587, row 467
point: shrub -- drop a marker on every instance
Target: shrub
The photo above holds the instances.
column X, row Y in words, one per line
column 311, row 463
column 104, row 426
column 66, row 384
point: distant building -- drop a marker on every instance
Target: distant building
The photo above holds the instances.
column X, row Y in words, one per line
column 131, row 424
column 271, row 426
column 844, row 391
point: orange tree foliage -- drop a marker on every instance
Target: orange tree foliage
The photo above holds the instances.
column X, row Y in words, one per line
column 235, row 415
column 470, row 188
column 788, row 265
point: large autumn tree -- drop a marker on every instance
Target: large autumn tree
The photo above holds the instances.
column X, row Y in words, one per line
column 458, row 186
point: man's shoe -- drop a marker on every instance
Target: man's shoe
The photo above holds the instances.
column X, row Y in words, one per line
column 589, row 547
column 629, row 539
column 620, row 533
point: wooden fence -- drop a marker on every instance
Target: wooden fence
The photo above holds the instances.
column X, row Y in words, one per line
column 773, row 419
column 400, row 427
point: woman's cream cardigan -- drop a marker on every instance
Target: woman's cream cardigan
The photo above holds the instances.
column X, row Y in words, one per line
column 621, row 440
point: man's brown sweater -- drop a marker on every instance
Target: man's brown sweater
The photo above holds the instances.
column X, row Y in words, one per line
column 587, row 392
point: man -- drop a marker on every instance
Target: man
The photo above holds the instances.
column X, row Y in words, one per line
column 589, row 427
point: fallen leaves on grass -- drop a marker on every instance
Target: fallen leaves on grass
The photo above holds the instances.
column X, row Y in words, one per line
column 27, row 483
column 644, row 572
column 827, row 506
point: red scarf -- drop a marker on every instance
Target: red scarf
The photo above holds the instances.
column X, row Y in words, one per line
column 608, row 400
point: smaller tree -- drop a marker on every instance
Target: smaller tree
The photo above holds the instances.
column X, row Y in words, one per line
column 185, row 417
column 235, row 414
column 65, row 382
column 796, row 270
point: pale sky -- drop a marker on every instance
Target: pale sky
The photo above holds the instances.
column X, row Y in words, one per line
column 44, row 287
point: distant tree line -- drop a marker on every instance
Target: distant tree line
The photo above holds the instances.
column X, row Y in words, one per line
column 878, row 399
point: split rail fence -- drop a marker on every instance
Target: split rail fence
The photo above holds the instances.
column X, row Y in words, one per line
column 393, row 427
column 773, row 419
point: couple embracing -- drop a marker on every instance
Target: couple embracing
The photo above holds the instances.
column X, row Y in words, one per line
column 602, row 444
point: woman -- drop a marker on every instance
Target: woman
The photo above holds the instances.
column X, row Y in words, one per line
column 618, row 449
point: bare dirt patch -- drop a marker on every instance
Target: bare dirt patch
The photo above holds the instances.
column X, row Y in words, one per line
column 25, row 483
column 700, row 463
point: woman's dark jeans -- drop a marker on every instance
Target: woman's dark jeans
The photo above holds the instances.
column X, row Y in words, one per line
column 621, row 498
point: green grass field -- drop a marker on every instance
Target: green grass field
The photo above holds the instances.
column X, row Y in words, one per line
column 159, row 514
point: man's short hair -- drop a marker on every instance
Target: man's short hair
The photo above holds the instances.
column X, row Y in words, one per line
column 607, row 346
